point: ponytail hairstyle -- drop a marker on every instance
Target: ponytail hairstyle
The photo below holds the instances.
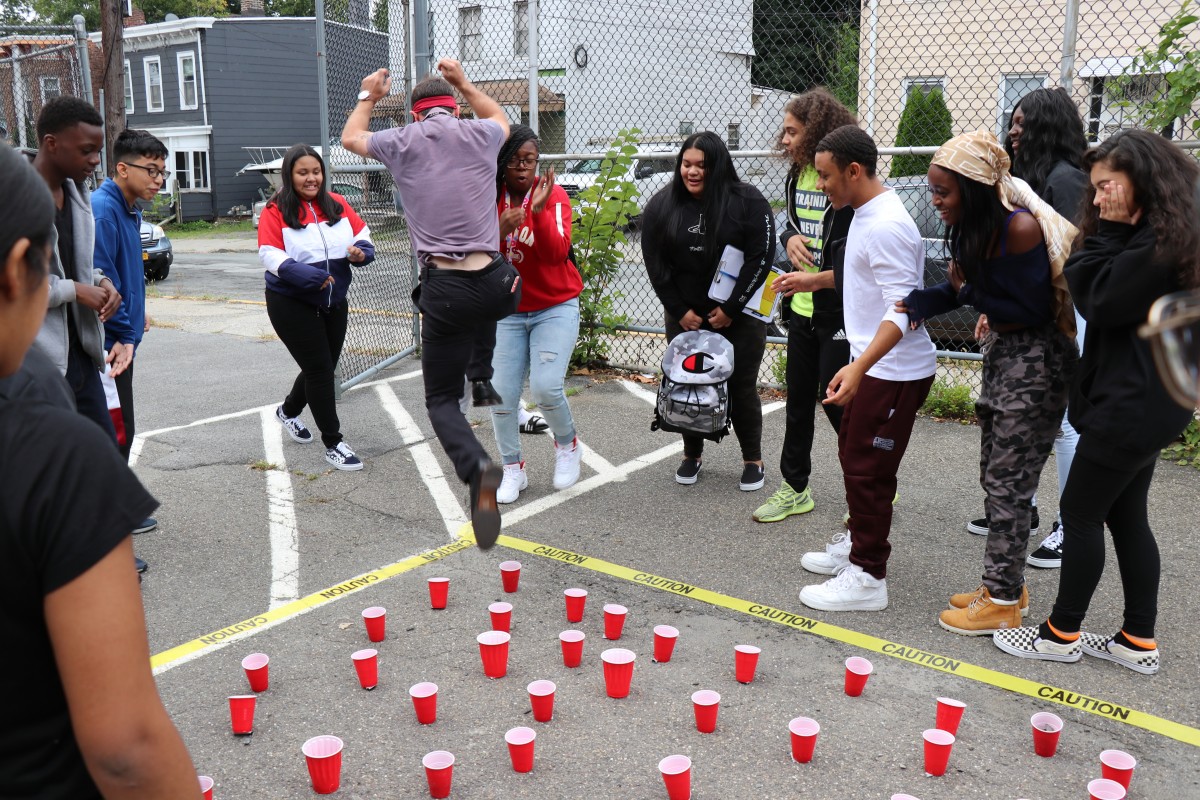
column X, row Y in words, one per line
column 288, row 202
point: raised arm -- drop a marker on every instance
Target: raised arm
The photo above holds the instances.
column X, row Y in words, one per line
column 357, row 132
column 483, row 106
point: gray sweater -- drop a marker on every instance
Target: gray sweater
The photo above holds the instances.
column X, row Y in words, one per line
column 53, row 338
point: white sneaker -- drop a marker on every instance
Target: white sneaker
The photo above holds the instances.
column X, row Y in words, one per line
column 833, row 560
column 566, row 464
column 513, row 483
column 849, row 590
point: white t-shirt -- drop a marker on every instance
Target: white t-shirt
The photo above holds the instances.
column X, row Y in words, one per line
column 885, row 260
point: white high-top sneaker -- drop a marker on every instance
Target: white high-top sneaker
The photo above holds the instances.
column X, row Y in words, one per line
column 513, row 483
column 835, row 557
column 849, row 590
column 566, row 464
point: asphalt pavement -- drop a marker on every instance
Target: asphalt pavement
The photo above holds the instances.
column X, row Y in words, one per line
column 260, row 543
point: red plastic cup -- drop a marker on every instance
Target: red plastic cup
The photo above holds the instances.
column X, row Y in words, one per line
column 705, row 704
column 857, row 671
column 324, row 757
column 501, row 616
column 665, row 638
column 949, row 714
column 439, row 770
column 439, row 591
column 541, row 697
column 1047, row 728
column 510, row 575
column 618, row 671
column 520, row 748
column 493, row 649
column 575, row 600
column 804, row 738
column 677, row 775
column 206, row 786
column 1117, row 765
column 241, row 713
column 375, row 618
column 424, row 698
column 572, row 647
column 745, row 662
column 1106, row 789
column 614, row 620
column 366, row 664
column 255, row 665
column 937, row 751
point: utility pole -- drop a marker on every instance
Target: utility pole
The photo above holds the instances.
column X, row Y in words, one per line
column 112, row 33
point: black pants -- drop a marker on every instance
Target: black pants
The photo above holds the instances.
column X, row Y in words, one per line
column 1116, row 494
column 314, row 337
column 84, row 380
column 124, row 383
column 749, row 339
column 459, row 311
column 813, row 357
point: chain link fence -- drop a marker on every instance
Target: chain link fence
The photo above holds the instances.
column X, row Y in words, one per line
column 37, row 64
column 915, row 73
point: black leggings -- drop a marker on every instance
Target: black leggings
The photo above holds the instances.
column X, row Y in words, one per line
column 1097, row 493
column 813, row 357
column 314, row 337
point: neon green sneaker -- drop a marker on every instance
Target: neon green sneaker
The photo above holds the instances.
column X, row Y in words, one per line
column 784, row 503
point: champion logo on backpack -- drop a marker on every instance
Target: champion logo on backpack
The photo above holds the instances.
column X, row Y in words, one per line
column 693, row 395
column 695, row 363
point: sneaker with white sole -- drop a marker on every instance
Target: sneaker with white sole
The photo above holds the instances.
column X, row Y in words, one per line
column 964, row 599
column 566, row 463
column 979, row 527
column 688, row 472
column 852, row 589
column 342, row 457
column 835, row 558
column 1028, row 643
column 294, row 427
column 784, row 503
column 1143, row 661
column 513, row 483
column 1049, row 552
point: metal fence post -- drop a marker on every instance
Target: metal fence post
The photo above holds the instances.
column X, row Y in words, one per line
column 323, row 84
column 422, row 58
column 533, row 64
column 1066, row 67
column 85, row 64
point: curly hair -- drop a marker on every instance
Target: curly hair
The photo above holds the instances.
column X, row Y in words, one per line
column 820, row 113
column 1053, row 132
column 1164, row 187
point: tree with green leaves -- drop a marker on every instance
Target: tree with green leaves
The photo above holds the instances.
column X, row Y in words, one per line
column 1178, row 62
column 926, row 121
column 843, row 75
column 60, row 12
column 795, row 41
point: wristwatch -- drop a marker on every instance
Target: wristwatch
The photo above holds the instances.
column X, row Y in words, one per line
column 364, row 95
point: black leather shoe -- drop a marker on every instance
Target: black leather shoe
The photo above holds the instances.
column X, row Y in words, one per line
column 485, row 512
column 141, row 565
column 482, row 394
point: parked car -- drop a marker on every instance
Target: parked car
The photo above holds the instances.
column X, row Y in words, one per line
column 647, row 174
column 157, row 252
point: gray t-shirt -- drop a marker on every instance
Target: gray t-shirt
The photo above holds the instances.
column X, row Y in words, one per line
column 445, row 171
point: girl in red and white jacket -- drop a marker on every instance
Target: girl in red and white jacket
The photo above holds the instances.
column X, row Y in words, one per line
column 537, row 341
column 308, row 238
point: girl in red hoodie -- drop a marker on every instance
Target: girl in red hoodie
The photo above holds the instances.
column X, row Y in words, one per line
column 537, row 341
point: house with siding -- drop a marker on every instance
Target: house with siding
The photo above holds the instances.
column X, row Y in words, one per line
column 211, row 87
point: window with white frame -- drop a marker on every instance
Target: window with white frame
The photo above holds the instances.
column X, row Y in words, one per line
column 191, row 170
column 470, row 33
column 128, row 89
column 521, row 28
column 1012, row 89
column 925, row 84
column 154, row 83
column 51, row 87
column 188, row 94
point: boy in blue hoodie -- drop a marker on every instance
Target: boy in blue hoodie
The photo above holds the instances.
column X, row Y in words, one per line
column 139, row 171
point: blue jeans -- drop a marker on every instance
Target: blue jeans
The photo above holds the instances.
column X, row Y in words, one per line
column 537, row 345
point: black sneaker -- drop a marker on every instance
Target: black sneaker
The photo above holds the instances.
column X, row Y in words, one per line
column 342, row 457
column 485, row 512
column 753, row 477
column 484, row 394
column 294, row 427
column 979, row 527
column 688, row 471
column 146, row 525
column 1049, row 553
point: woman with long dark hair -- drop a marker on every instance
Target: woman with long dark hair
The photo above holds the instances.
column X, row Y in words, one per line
column 686, row 228
column 813, row 312
column 537, row 340
column 1138, row 241
column 1007, row 246
column 307, row 239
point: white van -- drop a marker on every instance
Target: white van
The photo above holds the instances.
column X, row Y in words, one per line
column 647, row 174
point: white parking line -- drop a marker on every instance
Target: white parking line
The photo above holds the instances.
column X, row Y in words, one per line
column 405, row 424
column 642, row 394
column 281, row 516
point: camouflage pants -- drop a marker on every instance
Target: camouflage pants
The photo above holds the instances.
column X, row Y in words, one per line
column 1026, row 375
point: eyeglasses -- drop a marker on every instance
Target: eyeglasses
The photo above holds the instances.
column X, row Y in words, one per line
column 524, row 162
column 1173, row 331
column 153, row 172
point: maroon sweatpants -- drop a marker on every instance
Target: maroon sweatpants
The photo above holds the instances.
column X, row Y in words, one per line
column 874, row 434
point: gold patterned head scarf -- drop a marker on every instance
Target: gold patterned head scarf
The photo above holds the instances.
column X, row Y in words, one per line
column 980, row 157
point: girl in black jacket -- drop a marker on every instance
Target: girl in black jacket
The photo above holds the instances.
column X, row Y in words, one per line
column 1139, row 241
column 685, row 229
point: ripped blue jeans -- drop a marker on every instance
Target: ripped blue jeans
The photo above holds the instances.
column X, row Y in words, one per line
column 537, row 345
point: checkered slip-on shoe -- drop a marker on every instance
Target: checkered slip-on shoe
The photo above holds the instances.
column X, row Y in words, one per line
column 1026, row 643
column 1143, row 661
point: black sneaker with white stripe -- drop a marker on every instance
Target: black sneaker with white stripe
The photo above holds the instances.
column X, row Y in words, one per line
column 294, row 427
column 979, row 527
column 342, row 457
column 1049, row 553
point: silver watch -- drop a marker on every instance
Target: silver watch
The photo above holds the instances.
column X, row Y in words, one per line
column 364, row 95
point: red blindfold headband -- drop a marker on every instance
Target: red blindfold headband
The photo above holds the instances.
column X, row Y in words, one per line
column 437, row 101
